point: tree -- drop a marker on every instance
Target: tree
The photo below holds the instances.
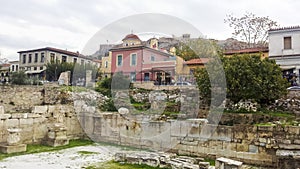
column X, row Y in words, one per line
column 55, row 68
column 251, row 28
column 19, row 78
column 197, row 48
column 185, row 52
column 248, row 77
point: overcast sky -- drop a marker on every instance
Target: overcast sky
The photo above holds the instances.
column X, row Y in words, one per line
column 69, row 24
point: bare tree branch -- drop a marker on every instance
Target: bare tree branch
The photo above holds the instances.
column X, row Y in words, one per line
column 250, row 28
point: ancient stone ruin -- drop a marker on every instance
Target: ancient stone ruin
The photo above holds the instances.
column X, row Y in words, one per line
column 13, row 144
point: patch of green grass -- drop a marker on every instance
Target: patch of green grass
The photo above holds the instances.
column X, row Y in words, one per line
column 116, row 165
column 141, row 106
column 211, row 161
column 283, row 114
column 86, row 152
column 31, row 149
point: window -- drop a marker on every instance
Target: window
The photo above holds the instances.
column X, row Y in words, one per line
column 52, row 57
column 119, row 60
column 64, row 58
column 287, row 42
column 13, row 68
column 132, row 76
column 36, row 55
column 17, row 67
column 192, row 71
column 34, row 68
column 106, row 64
column 152, row 58
column 75, row 60
column 24, row 58
column 42, row 57
column 133, row 59
column 29, row 58
column 41, row 68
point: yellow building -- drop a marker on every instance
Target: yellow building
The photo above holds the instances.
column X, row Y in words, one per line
column 194, row 64
column 106, row 65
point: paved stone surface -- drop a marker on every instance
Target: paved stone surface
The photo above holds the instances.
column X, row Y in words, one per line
column 68, row 158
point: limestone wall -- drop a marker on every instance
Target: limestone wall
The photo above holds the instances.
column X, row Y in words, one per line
column 34, row 109
column 259, row 145
column 35, row 123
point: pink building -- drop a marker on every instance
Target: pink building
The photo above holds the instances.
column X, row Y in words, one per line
column 141, row 61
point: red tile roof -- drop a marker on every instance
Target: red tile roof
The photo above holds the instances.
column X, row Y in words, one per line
column 249, row 50
column 200, row 61
column 5, row 65
column 131, row 36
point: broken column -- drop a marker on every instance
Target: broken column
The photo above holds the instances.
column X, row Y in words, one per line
column 227, row 163
column 13, row 142
column 88, row 79
column 57, row 135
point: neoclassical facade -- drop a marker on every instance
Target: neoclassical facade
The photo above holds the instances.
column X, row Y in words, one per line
column 33, row 61
column 284, row 48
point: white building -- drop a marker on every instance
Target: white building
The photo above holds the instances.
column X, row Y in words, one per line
column 34, row 61
column 14, row 66
column 284, row 48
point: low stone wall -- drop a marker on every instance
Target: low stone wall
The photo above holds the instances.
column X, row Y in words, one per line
column 250, row 144
column 151, row 86
column 35, row 123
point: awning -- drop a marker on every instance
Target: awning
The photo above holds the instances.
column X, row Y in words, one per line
column 34, row 71
column 287, row 67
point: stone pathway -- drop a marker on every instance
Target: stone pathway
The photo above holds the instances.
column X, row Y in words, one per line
column 69, row 158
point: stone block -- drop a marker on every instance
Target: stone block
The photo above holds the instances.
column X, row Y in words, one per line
column 40, row 109
column 57, row 142
column 123, row 110
column 51, row 109
column 296, row 141
column 12, row 123
column 152, row 161
column 5, row 116
column 289, row 146
column 13, row 148
column 28, row 121
column 204, row 165
column 262, row 140
column 1, row 109
column 120, row 157
column 19, row 115
column 39, row 120
column 253, row 149
column 33, row 115
column 287, row 141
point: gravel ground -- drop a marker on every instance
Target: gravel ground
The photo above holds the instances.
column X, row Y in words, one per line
column 68, row 158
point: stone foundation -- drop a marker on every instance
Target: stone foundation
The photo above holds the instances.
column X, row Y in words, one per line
column 7, row 149
column 255, row 145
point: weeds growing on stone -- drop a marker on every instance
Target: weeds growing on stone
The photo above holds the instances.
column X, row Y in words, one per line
column 117, row 165
column 31, row 149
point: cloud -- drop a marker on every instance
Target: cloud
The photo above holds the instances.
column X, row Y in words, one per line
column 72, row 23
